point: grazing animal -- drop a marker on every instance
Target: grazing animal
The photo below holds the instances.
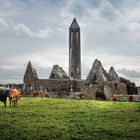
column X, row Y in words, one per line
column 44, row 94
column 41, row 94
column 3, row 96
column 14, row 97
column 130, row 98
column 100, row 96
column 36, row 94
column 113, row 98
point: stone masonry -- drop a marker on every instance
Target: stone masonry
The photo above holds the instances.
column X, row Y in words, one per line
column 74, row 51
column 60, row 84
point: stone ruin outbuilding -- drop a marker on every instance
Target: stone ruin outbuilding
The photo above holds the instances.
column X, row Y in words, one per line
column 98, row 80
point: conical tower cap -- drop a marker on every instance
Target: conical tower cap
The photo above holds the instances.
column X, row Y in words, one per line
column 74, row 24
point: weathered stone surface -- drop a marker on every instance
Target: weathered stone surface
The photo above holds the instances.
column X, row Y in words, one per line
column 74, row 24
column 107, row 83
column 30, row 71
column 90, row 91
column 97, row 74
column 74, row 51
column 138, row 88
column 60, row 85
column 108, row 90
column 58, row 73
column 30, row 78
column 114, row 78
column 121, row 89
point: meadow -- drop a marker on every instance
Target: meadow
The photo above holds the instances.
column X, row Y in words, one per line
column 69, row 119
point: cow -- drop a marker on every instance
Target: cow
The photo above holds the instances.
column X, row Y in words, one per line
column 36, row 94
column 44, row 94
column 40, row 94
column 113, row 98
column 4, row 93
column 100, row 96
column 130, row 98
column 14, row 97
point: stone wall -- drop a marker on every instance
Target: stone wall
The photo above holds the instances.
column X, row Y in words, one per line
column 138, row 88
column 121, row 89
column 108, row 90
column 89, row 91
column 62, row 87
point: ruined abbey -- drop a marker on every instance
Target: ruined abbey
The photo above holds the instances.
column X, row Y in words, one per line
column 60, row 84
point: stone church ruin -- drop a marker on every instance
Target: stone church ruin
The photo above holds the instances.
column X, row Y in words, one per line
column 60, row 84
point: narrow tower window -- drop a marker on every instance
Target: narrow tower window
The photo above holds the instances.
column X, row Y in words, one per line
column 77, row 70
column 71, row 74
column 71, row 36
column 77, row 35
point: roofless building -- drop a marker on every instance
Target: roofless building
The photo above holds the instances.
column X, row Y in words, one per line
column 61, row 85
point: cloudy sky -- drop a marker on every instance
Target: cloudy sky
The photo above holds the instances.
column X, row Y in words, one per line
column 37, row 30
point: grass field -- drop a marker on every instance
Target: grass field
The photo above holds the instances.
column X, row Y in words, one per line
column 69, row 119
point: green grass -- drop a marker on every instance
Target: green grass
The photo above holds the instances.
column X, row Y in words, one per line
column 70, row 119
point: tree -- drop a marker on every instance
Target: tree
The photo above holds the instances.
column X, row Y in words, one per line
column 131, row 87
column 12, row 85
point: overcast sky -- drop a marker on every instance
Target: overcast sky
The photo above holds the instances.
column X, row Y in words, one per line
column 38, row 30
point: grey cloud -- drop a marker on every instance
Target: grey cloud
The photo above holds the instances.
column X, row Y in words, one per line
column 83, row 8
column 74, row 8
column 125, row 4
column 19, row 4
column 101, row 40
column 107, row 29
column 93, row 3
column 129, row 73
column 11, row 75
column 3, row 24
column 42, row 33
column 107, row 11
column 10, row 8
column 43, row 73
column 117, row 3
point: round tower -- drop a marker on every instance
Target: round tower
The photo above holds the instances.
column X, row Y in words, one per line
column 74, row 51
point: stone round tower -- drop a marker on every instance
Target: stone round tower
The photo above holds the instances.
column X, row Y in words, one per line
column 74, row 51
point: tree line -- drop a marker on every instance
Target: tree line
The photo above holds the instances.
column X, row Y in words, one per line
column 131, row 87
column 12, row 85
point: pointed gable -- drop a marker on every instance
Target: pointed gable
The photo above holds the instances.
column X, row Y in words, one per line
column 35, row 73
column 58, row 73
column 113, row 75
column 97, row 73
column 30, row 72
